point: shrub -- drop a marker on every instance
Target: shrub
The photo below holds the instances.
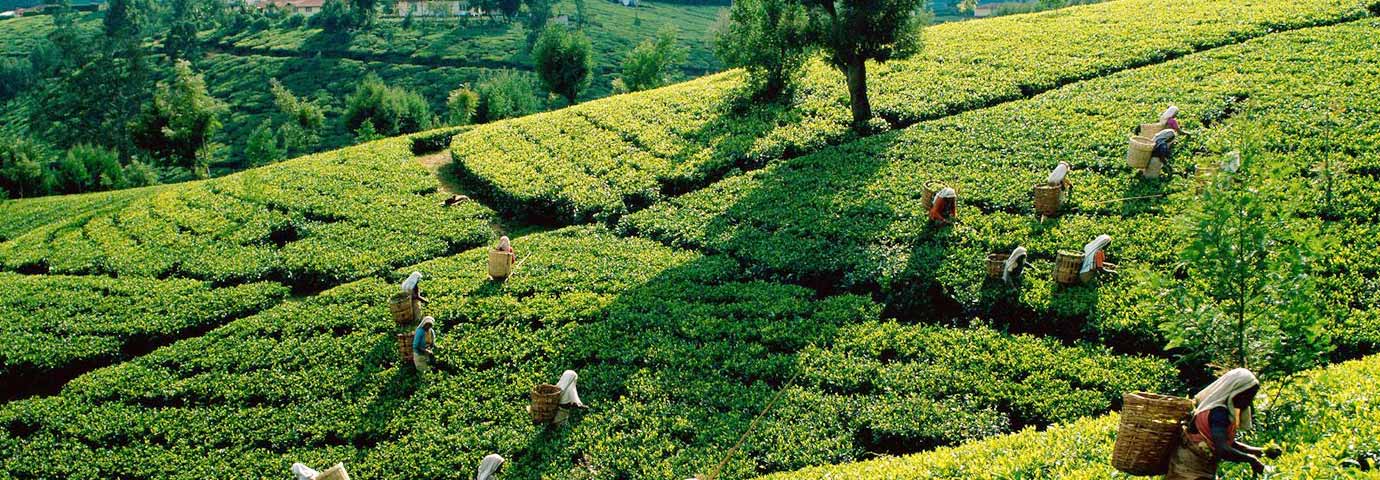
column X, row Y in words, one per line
column 505, row 95
column 388, row 110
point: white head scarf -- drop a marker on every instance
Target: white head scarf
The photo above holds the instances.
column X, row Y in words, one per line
column 410, row 285
column 303, row 472
column 1232, row 163
column 489, row 466
column 569, row 392
column 503, row 243
column 946, row 193
column 1169, row 113
column 1017, row 256
column 428, row 320
column 1090, row 251
column 1221, row 392
column 1167, row 134
column 1057, row 176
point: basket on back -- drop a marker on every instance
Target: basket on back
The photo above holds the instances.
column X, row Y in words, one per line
column 405, row 347
column 404, row 310
column 1138, row 152
column 1048, row 199
column 928, row 191
column 996, row 264
column 1149, row 432
column 336, row 472
column 500, row 264
column 1066, row 267
column 545, row 402
column 1148, row 130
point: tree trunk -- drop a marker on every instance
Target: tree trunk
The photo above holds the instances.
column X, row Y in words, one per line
column 857, row 92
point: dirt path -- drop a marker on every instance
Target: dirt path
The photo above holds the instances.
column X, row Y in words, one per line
column 439, row 164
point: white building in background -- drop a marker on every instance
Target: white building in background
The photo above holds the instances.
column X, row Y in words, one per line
column 435, row 8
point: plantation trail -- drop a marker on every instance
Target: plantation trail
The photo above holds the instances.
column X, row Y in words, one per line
column 438, row 163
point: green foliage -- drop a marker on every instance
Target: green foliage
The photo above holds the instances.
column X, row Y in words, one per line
column 53, row 322
column 335, row 17
column 1247, row 296
column 676, row 353
column 851, row 217
column 686, row 136
column 461, row 106
column 178, row 125
column 16, row 74
column 854, row 32
column 22, row 168
column 1326, row 424
column 310, row 222
column 140, row 174
column 652, row 63
column 768, row 38
column 262, row 148
column 89, row 168
column 505, row 95
column 562, row 61
column 388, row 110
column 300, row 119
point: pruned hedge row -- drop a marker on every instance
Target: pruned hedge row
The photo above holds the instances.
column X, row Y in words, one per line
column 851, row 217
column 1327, row 423
column 56, row 322
column 605, row 158
column 676, row 353
column 312, row 222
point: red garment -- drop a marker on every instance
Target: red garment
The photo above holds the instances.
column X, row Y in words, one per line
column 941, row 209
column 1099, row 258
column 1203, row 425
column 1172, row 124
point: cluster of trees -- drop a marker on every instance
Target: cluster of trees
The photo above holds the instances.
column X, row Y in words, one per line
column 773, row 38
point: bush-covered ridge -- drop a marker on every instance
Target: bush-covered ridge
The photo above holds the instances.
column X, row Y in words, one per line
column 1327, row 423
column 676, row 352
column 59, row 322
column 850, row 217
column 556, row 168
column 311, row 222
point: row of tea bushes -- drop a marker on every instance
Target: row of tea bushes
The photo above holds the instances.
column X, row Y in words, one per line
column 58, row 322
column 557, row 167
column 851, row 217
column 1327, row 423
column 676, row 353
column 311, row 222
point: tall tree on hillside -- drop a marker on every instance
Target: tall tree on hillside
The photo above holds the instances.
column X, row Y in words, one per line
column 388, row 110
column 505, row 95
column 651, row 64
column 178, row 125
column 852, row 32
column 299, row 119
column 563, row 61
column 772, row 37
column 365, row 11
column 768, row 38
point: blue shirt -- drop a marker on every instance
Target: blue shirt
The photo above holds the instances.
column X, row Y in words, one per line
column 419, row 340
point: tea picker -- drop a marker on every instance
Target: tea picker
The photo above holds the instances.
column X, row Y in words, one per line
column 489, row 466
column 1186, row 439
column 406, row 305
column 424, row 345
column 1051, row 195
column 1006, row 266
column 550, row 402
column 336, row 472
column 944, row 207
column 502, row 259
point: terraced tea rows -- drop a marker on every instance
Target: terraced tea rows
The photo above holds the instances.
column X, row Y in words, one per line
column 676, row 352
column 605, row 158
column 1327, row 424
column 311, row 222
column 851, row 217
column 58, row 323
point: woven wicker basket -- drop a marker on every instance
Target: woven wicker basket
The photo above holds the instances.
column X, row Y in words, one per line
column 1138, row 152
column 1048, row 199
column 1149, row 432
column 1066, row 267
column 928, row 192
column 500, row 264
column 336, row 472
column 545, row 402
column 403, row 308
column 1148, row 130
column 996, row 264
column 405, row 347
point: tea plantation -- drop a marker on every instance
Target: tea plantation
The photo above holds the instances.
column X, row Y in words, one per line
column 696, row 258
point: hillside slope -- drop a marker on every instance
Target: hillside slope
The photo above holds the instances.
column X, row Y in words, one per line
column 1327, row 423
column 605, row 158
